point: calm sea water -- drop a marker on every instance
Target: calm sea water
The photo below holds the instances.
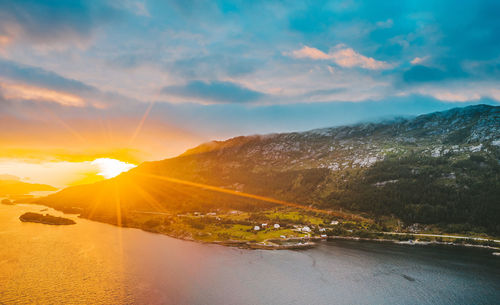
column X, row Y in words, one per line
column 94, row 263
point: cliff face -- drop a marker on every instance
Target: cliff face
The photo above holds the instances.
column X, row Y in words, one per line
column 437, row 168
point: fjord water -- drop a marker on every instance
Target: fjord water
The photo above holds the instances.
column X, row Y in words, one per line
column 95, row 263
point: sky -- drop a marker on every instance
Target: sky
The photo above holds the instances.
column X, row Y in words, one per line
column 146, row 80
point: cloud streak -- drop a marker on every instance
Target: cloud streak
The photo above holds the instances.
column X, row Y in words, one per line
column 29, row 83
column 342, row 56
column 23, row 92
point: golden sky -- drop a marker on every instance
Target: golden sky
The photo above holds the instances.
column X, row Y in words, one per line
column 45, row 148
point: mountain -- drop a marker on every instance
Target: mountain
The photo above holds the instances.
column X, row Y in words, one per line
column 16, row 187
column 441, row 168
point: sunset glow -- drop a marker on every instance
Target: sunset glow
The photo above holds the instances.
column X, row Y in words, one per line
column 109, row 168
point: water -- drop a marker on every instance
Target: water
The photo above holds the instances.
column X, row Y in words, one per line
column 94, row 263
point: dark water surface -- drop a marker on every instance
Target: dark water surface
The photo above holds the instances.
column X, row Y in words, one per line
column 94, row 263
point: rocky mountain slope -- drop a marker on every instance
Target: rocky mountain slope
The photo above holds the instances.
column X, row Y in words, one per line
column 441, row 168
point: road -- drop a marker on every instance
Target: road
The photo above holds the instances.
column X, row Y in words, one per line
column 443, row 236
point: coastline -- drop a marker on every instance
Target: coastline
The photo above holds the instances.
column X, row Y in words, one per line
column 414, row 243
column 296, row 243
column 307, row 242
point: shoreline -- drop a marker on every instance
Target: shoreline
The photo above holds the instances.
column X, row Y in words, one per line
column 299, row 243
column 308, row 242
column 414, row 243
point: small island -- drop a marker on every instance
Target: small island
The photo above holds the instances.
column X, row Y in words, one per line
column 45, row 219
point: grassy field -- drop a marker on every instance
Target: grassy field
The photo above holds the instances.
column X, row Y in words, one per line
column 238, row 226
column 232, row 225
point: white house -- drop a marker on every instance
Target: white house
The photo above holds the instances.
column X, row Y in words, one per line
column 323, row 236
column 276, row 225
column 256, row 228
column 334, row 222
column 306, row 229
column 264, row 225
column 322, row 229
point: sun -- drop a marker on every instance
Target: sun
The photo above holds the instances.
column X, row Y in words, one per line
column 109, row 168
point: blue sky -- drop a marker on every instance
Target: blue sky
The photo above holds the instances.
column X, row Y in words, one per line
column 216, row 69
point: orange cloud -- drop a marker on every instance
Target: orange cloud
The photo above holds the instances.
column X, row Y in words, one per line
column 4, row 40
column 24, row 92
column 342, row 56
column 419, row 60
column 308, row 52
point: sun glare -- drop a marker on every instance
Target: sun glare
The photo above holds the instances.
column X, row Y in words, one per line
column 109, row 168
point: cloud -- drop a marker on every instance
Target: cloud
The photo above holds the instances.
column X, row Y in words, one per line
column 22, row 92
column 459, row 91
column 347, row 57
column 22, row 82
column 25, row 82
column 342, row 56
column 308, row 52
column 40, row 77
column 49, row 22
column 138, row 8
column 4, row 40
column 213, row 91
column 456, row 97
column 385, row 24
column 419, row 60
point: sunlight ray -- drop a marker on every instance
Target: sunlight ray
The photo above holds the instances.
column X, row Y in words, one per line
column 97, row 202
column 141, row 123
column 56, row 118
column 150, row 199
column 256, row 197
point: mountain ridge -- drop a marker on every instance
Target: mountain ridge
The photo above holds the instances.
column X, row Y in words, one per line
column 441, row 167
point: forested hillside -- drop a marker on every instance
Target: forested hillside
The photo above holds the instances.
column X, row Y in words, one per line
column 440, row 168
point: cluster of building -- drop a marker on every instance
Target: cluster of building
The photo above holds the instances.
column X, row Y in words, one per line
column 264, row 226
column 301, row 229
